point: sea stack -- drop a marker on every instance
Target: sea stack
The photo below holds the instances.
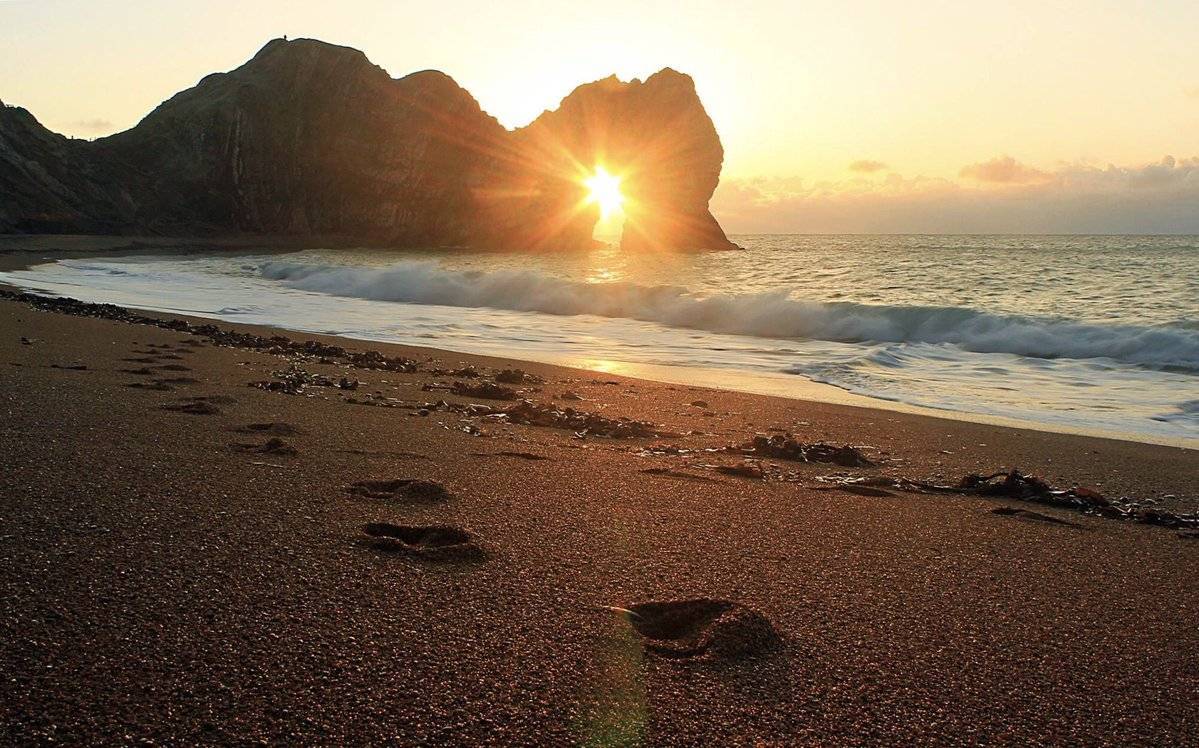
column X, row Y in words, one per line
column 311, row 140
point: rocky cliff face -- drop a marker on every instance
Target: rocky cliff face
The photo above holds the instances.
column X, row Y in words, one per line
column 311, row 139
column 656, row 136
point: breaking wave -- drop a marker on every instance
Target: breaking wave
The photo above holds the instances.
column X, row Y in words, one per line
column 767, row 315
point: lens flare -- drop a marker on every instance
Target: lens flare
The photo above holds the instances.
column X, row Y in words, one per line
column 604, row 190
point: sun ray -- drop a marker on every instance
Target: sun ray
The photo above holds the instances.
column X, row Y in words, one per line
column 604, row 191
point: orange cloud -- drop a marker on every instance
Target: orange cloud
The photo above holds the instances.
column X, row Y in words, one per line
column 1003, row 170
column 1071, row 199
column 867, row 166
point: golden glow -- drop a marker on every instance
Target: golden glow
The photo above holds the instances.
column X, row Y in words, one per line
column 809, row 111
column 604, row 190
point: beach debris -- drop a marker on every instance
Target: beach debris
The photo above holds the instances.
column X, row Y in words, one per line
column 375, row 360
column 485, row 390
column 670, row 450
column 583, row 424
column 465, row 372
column 429, row 542
column 854, row 484
column 518, row 376
column 275, row 344
column 273, row 386
column 375, row 400
column 786, row 447
column 1013, row 484
column 700, row 628
column 403, row 489
column 864, row 490
column 292, row 381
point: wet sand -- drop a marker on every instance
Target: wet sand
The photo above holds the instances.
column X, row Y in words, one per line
column 193, row 559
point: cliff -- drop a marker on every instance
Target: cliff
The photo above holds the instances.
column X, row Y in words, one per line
column 311, row 139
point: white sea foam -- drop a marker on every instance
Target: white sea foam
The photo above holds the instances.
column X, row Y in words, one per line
column 1092, row 333
column 766, row 315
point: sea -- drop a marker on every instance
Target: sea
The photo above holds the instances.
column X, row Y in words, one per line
column 1083, row 334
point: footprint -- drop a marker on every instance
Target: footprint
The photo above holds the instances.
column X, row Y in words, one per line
column 384, row 453
column 177, row 380
column 142, row 372
column 173, row 367
column 193, row 407
column 214, row 399
column 1012, row 511
column 404, row 489
column 705, row 628
column 274, row 429
column 156, row 386
column 141, row 360
column 69, row 367
column 274, row 446
column 431, row 542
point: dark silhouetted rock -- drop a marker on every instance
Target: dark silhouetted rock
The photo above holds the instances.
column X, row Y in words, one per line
column 309, row 139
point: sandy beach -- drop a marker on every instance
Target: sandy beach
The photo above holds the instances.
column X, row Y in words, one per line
column 189, row 558
column 523, row 374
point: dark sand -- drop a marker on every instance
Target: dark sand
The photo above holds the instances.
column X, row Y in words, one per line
column 168, row 575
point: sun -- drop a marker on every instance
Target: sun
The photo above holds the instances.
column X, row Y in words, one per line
column 604, row 190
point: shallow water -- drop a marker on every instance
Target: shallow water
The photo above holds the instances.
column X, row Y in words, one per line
column 1085, row 333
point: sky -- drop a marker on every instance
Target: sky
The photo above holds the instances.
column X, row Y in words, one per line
column 919, row 116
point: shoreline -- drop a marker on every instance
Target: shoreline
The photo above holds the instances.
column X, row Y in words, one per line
column 196, row 549
column 923, row 419
column 14, row 256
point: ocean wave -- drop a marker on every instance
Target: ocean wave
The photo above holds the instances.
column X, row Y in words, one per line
column 767, row 315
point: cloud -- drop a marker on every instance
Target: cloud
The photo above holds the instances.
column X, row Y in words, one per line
column 1070, row 199
column 867, row 166
column 1003, row 170
column 94, row 126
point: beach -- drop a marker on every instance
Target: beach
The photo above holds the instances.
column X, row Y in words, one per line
column 187, row 557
